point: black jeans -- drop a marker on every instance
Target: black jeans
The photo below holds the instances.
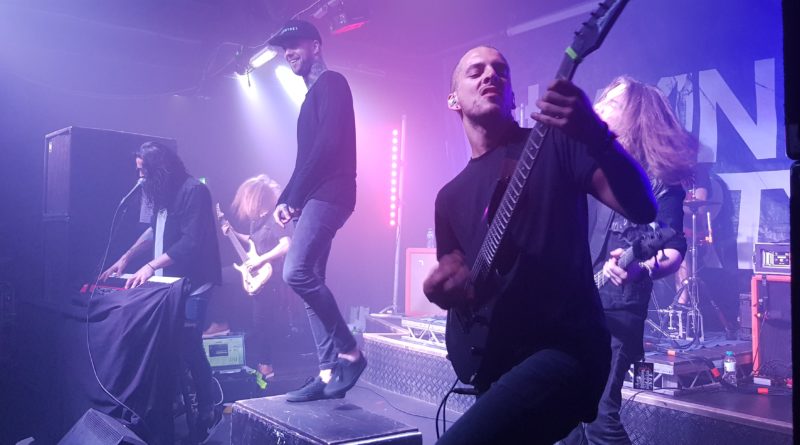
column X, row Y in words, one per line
column 537, row 402
column 627, row 329
column 193, row 354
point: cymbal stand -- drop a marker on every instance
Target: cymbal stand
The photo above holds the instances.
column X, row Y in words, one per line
column 694, row 318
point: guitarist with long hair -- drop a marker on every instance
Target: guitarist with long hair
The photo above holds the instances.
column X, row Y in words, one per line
column 646, row 127
column 547, row 356
column 267, row 244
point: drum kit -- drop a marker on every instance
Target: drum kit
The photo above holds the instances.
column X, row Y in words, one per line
column 685, row 321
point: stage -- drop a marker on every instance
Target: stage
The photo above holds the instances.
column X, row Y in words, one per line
column 408, row 374
column 686, row 406
column 406, row 379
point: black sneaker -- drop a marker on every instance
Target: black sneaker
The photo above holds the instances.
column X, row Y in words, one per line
column 207, row 424
column 345, row 375
column 314, row 389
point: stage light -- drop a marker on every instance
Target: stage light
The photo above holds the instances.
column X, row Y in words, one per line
column 343, row 15
column 247, row 86
column 294, row 85
column 263, row 56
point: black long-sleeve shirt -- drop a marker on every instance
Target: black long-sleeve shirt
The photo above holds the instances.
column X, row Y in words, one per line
column 325, row 168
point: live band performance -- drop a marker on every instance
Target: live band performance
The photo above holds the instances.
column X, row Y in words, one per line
column 341, row 222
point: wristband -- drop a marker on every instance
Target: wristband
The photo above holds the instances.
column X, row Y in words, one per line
column 151, row 266
column 644, row 265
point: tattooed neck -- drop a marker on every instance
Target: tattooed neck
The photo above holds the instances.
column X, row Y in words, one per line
column 317, row 68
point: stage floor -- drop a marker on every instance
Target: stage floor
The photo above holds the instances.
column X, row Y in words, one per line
column 774, row 410
column 650, row 417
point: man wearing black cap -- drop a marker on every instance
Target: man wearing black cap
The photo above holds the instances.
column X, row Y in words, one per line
column 319, row 197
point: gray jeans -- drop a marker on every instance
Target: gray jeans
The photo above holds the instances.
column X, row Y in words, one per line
column 304, row 272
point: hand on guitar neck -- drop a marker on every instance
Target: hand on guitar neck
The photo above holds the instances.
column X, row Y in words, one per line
column 448, row 286
column 619, row 274
column 566, row 107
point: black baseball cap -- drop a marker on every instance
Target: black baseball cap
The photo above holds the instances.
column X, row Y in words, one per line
column 295, row 30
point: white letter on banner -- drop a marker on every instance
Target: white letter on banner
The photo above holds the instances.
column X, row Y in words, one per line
column 760, row 135
column 751, row 184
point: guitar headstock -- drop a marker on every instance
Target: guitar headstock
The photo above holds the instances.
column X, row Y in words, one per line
column 593, row 31
column 220, row 215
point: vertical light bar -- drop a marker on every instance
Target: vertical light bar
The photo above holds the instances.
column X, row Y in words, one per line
column 394, row 178
column 396, row 204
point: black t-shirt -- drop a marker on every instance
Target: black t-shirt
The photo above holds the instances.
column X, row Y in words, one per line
column 551, row 301
column 325, row 168
column 266, row 233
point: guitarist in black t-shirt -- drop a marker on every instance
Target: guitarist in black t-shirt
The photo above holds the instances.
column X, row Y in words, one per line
column 259, row 273
column 546, row 358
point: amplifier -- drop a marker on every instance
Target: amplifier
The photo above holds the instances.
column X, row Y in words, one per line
column 772, row 258
column 419, row 264
column 86, row 173
column 771, row 326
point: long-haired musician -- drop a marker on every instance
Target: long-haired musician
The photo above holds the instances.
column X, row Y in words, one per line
column 266, row 244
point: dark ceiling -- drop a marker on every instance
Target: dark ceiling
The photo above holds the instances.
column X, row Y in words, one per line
column 98, row 44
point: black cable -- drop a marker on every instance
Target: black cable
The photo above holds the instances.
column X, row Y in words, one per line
column 88, row 308
column 758, row 348
column 630, row 400
column 421, row 416
column 443, row 406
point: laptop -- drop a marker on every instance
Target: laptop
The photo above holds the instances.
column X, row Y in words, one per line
column 225, row 352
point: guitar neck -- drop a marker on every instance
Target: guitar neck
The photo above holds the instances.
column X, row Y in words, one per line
column 624, row 260
column 237, row 245
column 516, row 184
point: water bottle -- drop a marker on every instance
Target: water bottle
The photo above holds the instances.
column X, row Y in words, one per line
column 430, row 239
column 729, row 365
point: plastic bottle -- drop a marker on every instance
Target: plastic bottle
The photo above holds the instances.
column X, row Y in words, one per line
column 729, row 365
column 430, row 239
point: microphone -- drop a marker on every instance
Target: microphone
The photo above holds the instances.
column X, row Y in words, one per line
column 139, row 183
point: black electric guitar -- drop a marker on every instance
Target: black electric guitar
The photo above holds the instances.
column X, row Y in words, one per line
column 643, row 248
column 252, row 281
column 469, row 326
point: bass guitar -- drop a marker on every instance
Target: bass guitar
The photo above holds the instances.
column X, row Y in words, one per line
column 252, row 281
column 469, row 326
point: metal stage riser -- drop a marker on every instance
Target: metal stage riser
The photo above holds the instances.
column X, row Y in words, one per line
column 424, row 373
column 413, row 370
column 652, row 420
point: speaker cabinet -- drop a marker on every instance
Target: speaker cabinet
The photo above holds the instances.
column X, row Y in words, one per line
column 772, row 325
column 97, row 428
column 419, row 264
column 86, row 173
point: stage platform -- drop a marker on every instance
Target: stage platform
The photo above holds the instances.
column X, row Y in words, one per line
column 273, row 420
column 687, row 406
column 407, row 377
